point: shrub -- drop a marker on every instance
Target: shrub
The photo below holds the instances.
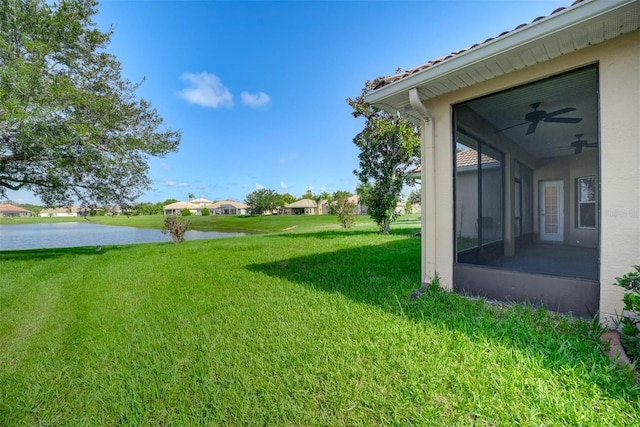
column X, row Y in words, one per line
column 346, row 212
column 205, row 212
column 186, row 212
column 176, row 227
column 630, row 335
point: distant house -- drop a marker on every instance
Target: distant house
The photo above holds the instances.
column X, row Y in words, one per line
column 201, row 202
column 177, row 208
column 415, row 208
column 112, row 210
column 307, row 207
column 228, row 207
column 61, row 212
column 361, row 208
column 401, row 208
column 196, row 206
column 11, row 211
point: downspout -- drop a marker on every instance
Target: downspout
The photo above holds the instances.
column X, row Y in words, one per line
column 427, row 144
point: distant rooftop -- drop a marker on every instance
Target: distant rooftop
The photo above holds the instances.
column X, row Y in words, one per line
column 470, row 158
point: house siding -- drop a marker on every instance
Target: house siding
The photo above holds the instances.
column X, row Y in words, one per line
column 620, row 175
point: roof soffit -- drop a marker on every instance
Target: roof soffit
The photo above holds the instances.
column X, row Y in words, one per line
column 567, row 31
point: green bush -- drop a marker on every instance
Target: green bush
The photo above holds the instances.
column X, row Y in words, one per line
column 346, row 212
column 186, row 212
column 205, row 212
column 630, row 335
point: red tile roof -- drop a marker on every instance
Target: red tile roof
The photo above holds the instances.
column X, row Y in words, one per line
column 9, row 208
column 384, row 81
column 470, row 158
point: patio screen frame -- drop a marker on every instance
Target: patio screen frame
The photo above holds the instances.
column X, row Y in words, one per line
column 472, row 273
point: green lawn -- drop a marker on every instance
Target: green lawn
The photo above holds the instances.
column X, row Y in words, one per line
column 311, row 326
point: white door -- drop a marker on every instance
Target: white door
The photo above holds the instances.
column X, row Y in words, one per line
column 552, row 211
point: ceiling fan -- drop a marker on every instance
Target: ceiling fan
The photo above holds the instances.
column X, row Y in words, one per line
column 536, row 116
column 579, row 144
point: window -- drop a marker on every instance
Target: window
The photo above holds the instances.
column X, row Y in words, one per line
column 587, row 190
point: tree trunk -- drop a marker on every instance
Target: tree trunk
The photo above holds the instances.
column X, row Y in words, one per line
column 386, row 226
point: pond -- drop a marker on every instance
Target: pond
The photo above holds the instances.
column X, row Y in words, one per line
column 73, row 234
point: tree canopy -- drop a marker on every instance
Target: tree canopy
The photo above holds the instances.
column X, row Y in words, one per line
column 389, row 150
column 286, row 198
column 341, row 194
column 414, row 197
column 71, row 127
column 262, row 200
column 308, row 194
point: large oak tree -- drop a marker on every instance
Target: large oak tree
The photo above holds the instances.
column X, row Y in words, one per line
column 262, row 200
column 71, row 127
column 389, row 151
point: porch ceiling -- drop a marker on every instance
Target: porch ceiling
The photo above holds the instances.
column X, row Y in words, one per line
column 505, row 112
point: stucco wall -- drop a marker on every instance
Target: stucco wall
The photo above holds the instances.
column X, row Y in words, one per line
column 620, row 157
column 619, row 84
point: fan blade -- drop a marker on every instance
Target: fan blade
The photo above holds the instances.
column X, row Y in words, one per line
column 532, row 128
column 562, row 120
column 562, row 111
column 509, row 127
column 591, row 144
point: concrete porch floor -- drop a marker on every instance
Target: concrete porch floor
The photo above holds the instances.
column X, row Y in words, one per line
column 558, row 260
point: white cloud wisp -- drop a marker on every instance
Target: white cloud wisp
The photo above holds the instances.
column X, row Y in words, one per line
column 206, row 90
column 255, row 100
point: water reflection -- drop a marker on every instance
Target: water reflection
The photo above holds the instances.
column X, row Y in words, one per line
column 72, row 234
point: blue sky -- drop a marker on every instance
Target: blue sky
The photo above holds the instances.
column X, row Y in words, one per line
column 258, row 88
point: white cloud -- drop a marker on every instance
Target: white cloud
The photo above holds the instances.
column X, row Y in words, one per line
column 255, row 100
column 323, row 188
column 206, row 90
column 165, row 165
column 172, row 183
column 283, row 185
column 259, row 186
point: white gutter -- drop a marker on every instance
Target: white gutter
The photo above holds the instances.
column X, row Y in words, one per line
column 427, row 189
column 418, row 106
column 544, row 28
